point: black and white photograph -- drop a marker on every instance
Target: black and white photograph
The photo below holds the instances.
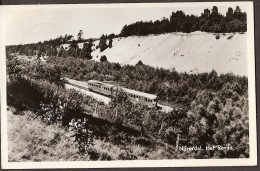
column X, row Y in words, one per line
column 128, row 85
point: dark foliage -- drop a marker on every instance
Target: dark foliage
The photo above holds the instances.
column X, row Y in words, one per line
column 208, row 21
column 103, row 43
column 169, row 85
column 103, row 58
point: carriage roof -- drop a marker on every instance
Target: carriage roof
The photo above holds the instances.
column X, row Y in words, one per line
column 101, row 83
column 139, row 93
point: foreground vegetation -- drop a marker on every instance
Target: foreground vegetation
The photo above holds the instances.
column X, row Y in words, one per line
column 40, row 142
column 209, row 109
column 29, row 139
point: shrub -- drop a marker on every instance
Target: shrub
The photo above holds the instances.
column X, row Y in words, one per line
column 83, row 135
column 103, row 58
column 230, row 37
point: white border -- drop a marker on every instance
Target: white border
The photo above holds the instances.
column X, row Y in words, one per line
column 252, row 161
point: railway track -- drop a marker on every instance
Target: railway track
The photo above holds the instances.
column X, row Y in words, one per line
column 85, row 91
column 83, row 88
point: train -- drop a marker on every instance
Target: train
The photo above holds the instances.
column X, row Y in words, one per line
column 111, row 90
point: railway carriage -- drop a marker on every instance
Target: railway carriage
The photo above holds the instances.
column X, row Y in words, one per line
column 149, row 100
column 101, row 87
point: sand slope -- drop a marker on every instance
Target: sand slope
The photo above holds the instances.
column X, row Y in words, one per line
column 190, row 52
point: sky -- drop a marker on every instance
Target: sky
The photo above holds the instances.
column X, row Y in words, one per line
column 34, row 23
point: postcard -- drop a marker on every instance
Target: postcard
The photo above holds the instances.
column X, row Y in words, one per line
column 128, row 85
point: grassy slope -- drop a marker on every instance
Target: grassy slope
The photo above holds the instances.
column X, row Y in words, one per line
column 31, row 140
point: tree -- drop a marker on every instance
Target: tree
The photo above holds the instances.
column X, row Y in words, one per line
column 110, row 43
column 103, row 43
column 229, row 14
column 80, row 35
column 121, row 105
column 87, row 50
column 139, row 63
column 237, row 13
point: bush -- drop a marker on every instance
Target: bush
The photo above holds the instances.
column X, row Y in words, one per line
column 83, row 135
column 230, row 37
column 217, row 36
column 103, row 58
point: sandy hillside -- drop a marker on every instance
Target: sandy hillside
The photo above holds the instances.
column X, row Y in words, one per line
column 191, row 52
